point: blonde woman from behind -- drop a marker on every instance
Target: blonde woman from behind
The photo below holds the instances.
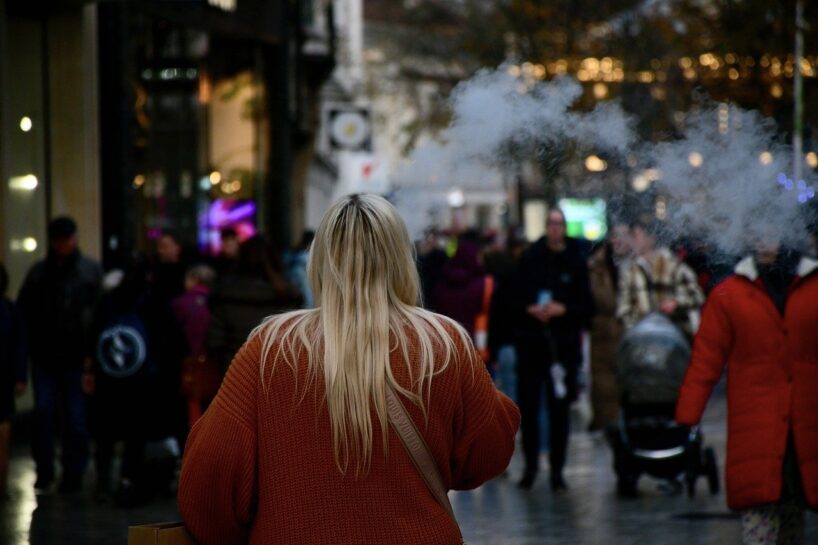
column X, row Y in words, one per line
column 297, row 448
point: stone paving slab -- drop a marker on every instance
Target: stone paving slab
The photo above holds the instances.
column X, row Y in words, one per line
column 496, row 514
column 590, row 513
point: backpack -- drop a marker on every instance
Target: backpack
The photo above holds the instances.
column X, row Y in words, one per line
column 122, row 347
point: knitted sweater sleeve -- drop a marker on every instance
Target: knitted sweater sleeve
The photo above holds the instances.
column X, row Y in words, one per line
column 486, row 423
column 218, row 483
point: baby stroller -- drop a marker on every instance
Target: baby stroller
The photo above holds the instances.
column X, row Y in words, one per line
column 651, row 362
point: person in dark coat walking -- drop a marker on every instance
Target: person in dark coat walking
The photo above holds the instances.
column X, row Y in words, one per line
column 501, row 264
column 552, row 305
column 430, row 261
column 241, row 300
column 228, row 258
column 459, row 291
column 604, row 267
column 168, row 274
column 124, row 366
column 57, row 302
column 13, row 356
column 136, row 397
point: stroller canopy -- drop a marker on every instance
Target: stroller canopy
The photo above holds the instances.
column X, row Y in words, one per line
column 651, row 361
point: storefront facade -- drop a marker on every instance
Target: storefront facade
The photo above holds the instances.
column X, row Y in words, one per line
column 150, row 116
column 188, row 113
column 49, row 158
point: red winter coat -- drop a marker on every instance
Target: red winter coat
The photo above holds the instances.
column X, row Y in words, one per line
column 772, row 381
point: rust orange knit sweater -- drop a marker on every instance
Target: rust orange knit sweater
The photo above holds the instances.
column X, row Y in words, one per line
column 259, row 466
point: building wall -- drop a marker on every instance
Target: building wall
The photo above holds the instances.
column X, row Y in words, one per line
column 50, row 71
column 74, row 111
column 49, row 166
column 22, row 153
column 3, row 47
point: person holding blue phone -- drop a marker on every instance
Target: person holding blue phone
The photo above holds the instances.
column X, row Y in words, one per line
column 552, row 304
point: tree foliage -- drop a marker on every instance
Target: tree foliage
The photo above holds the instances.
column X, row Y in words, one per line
column 642, row 33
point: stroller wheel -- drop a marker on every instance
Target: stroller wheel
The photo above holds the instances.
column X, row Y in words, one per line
column 626, row 487
column 711, row 471
column 690, row 483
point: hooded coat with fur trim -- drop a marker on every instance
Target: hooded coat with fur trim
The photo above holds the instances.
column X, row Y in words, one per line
column 772, row 381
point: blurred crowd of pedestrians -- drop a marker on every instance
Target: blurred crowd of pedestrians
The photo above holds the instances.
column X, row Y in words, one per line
column 544, row 299
column 548, row 295
column 133, row 357
column 123, row 363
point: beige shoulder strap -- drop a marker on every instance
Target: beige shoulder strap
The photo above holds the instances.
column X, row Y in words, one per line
column 417, row 449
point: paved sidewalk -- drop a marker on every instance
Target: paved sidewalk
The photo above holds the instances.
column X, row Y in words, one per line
column 590, row 513
column 496, row 514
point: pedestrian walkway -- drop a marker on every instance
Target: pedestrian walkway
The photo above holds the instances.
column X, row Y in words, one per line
column 496, row 514
column 590, row 513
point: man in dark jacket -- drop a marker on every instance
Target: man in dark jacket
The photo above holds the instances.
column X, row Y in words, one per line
column 502, row 265
column 431, row 261
column 57, row 301
column 168, row 274
column 242, row 300
column 552, row 304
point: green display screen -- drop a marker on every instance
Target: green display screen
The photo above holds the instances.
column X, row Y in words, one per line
column 585, row 218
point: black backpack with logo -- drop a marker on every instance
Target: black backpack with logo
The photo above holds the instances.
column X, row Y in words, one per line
column 122, row 350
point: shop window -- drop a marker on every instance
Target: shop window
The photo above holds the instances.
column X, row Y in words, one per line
column 199, row 148
column 23, row 147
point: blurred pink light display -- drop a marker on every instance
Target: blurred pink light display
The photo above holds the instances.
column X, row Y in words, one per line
column 228, row 213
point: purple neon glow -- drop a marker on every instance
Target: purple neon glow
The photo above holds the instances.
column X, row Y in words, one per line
column 221, row 214
column 240, row 215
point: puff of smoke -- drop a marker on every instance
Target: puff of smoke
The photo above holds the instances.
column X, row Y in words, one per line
column 496, row 118
column 725, row 181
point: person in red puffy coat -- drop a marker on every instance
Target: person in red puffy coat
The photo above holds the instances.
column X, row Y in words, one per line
column 760, row 322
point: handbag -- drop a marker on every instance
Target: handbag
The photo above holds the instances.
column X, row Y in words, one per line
column 166, row 533
column 174, row 533
column 419, row 452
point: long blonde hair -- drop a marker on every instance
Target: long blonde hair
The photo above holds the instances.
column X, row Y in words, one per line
column 362, row 271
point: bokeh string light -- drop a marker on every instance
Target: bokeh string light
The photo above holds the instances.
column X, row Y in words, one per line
column 707, row 66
